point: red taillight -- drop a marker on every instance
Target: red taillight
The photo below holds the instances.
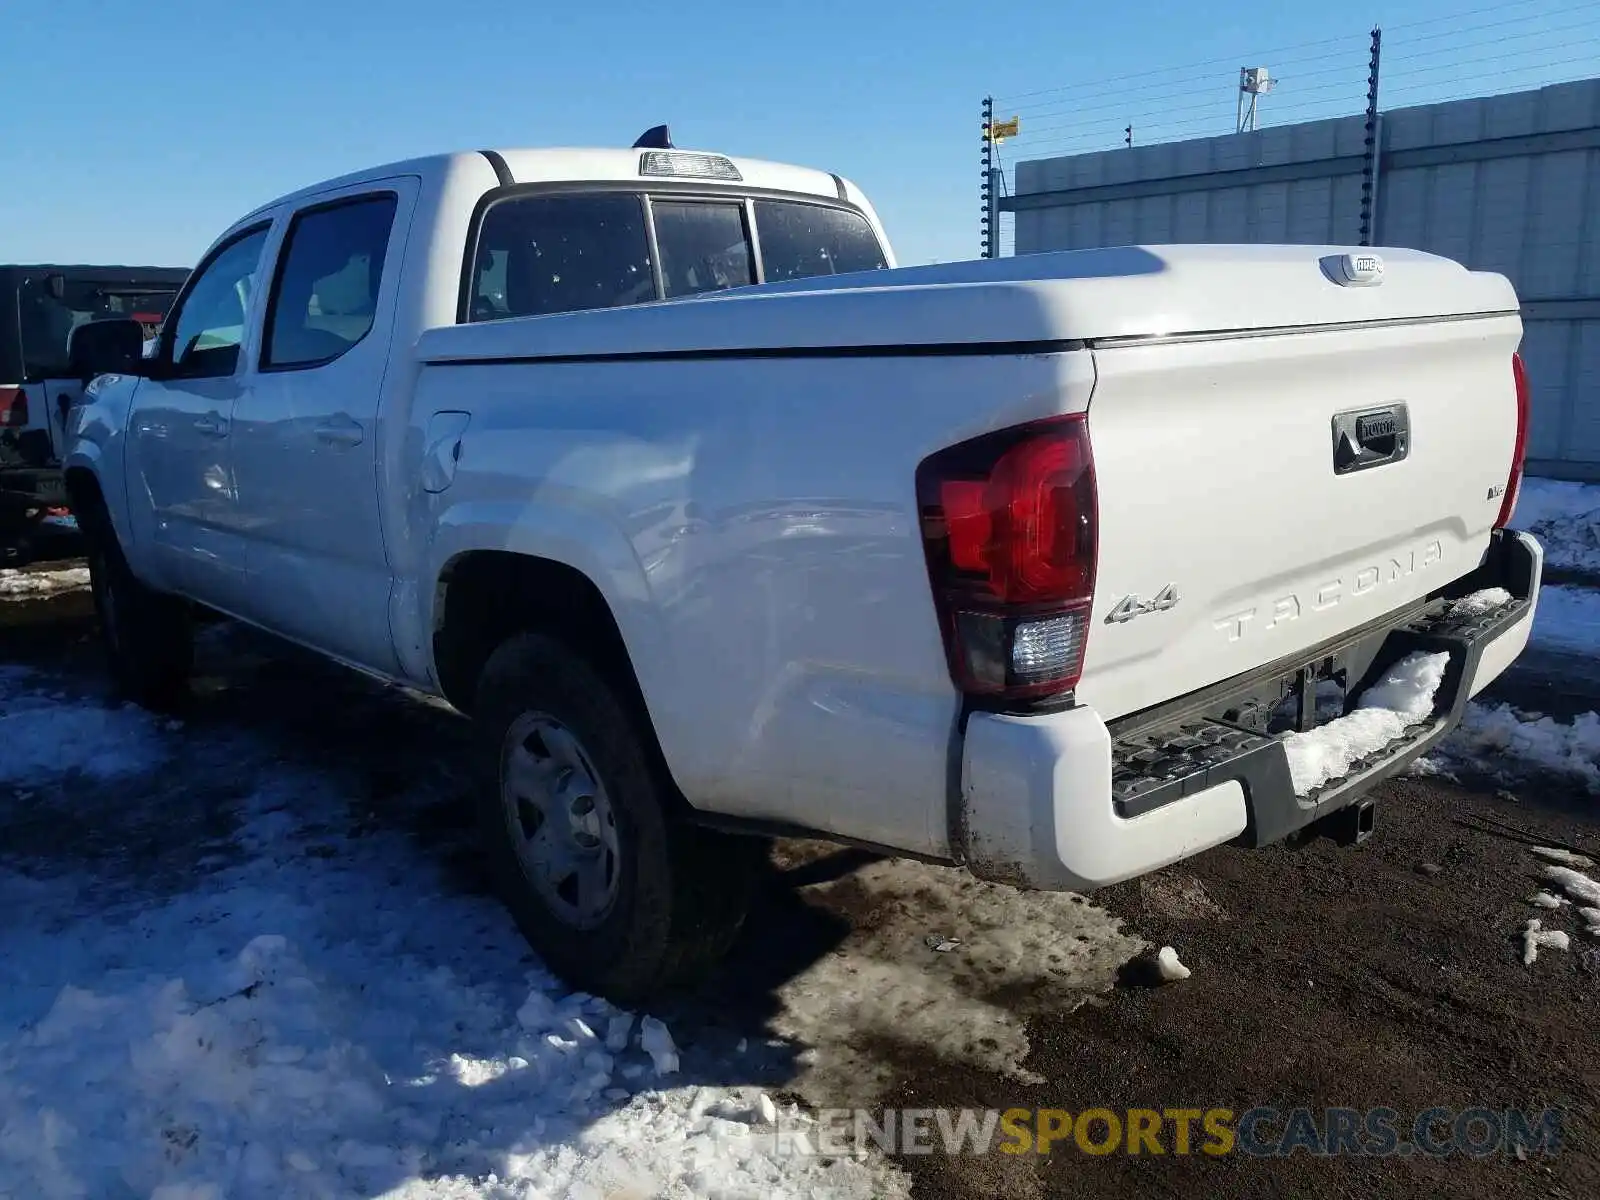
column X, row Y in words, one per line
column 1519, row 454
column 13, row 408
column 1009, row 523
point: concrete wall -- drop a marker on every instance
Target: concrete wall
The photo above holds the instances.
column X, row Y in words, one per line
column 1505, row 183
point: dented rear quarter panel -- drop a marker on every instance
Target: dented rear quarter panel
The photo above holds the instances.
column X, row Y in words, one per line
column 752, row 523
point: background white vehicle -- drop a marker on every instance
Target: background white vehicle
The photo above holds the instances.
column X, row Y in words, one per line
column 1062, row 567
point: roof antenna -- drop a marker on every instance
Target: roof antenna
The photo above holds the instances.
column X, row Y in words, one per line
column 657, row 138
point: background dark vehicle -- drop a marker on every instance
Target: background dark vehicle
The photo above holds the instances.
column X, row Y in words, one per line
column 40, row 305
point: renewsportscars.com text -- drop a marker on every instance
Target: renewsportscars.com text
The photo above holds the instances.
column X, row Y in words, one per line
column 1262, row 1132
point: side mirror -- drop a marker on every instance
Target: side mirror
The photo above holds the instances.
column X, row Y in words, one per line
column 110, row 347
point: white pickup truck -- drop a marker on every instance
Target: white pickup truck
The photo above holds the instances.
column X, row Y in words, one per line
column 718, row 524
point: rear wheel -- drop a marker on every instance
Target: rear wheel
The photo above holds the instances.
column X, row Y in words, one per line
column 147, row 635
column 617, row 892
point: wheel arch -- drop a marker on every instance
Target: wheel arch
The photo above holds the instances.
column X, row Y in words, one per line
column 87, row 496
column 483, row 597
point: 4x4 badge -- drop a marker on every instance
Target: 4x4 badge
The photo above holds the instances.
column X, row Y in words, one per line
column 1130, row 607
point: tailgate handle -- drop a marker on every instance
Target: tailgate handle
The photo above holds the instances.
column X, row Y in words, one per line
column 1370, row 437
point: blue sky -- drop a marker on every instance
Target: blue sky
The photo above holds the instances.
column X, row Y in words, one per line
column 134, row 132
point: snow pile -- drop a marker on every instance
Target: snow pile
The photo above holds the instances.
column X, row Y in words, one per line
column 1565, row 517
column 1482, row 602
column 1568, row 618
column 655, row 1039
column 1563, row 856
column 324, row 1013
column 264, row 1079
column 1401, row 698
column 1545, row 900
column 31, row 585
column 1534, row 938
column 1171, row 969
column 1018, row 953
column 1500, row 742
column 1581, row 890
column 43, row 737
column 1575, row 884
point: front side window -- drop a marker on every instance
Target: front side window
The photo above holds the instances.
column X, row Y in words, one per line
column 703, row 247
column 551, row 254
column 209, row 327
column 325, row 297
column 802, row 240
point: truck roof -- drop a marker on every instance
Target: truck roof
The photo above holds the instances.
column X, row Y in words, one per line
column 587, row 164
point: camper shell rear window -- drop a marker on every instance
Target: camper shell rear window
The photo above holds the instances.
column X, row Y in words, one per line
column 536, row 250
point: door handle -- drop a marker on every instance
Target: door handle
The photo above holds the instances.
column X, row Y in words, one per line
column 1371, row 437
column 344, row 432
column 212, row 425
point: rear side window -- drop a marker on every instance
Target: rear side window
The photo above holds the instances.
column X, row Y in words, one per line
column 550, row 254
column 802, row 240
column 704, row 247
column 326, row 293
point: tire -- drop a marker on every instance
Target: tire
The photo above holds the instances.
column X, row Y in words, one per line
column 147, row 635
column 571, row 783
column 16, row 542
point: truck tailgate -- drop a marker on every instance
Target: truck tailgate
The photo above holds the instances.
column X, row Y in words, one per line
column 1262, row 494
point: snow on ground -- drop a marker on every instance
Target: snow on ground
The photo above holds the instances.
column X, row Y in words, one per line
column 1536, row 937
column 1402, row 697
column 1576, row 884
column 1565, row 517
column 42, row 738
column 1504, row 744
column 308, row 1006
column 1561, row 856
column 1568, row 618
column 27, row 585
column 1015, row 952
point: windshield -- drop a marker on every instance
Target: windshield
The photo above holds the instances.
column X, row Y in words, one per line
column 48, row 319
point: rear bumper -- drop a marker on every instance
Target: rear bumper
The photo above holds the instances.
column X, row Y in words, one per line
column 23, row 488
column 1062, row 802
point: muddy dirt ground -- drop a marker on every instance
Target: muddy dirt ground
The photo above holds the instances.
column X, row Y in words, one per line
column 1327, row 976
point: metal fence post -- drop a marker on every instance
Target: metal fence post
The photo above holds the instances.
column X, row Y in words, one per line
column 990, row 240
column 1369, row 169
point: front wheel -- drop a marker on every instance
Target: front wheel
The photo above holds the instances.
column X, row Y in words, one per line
column 619, row 894
column 147, row 635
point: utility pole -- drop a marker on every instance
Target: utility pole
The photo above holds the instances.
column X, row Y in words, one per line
column 1373, row 146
